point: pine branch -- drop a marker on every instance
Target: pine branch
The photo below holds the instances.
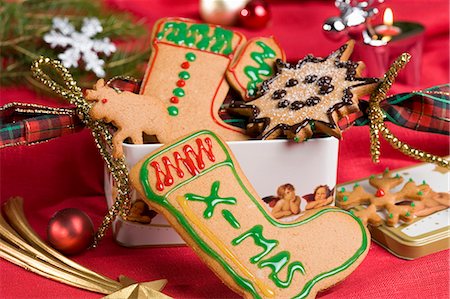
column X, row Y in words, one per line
column 23, row 24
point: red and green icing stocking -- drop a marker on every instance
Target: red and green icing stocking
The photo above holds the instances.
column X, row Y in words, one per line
column 186, row 71
column 199, row 184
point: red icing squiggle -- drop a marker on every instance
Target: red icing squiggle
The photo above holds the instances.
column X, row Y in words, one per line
column 165, row 178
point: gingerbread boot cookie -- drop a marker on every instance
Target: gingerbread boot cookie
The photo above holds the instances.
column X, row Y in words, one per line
column 186, row 71
column 198, row 186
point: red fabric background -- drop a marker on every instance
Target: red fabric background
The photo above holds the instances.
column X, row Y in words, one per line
column 68, row 172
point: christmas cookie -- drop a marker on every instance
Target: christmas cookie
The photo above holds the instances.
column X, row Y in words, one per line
column 131, row 114
column 433, row 202
column 256, row 63
column 186, row 71
column 309, row 96
column 412, row 200
column 198, row 186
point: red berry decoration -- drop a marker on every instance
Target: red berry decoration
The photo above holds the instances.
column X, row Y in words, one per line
column 380, row 193
column 181, row 83
column 255, row 15
column 70, row 231
column 174, row 100
column 185, row 65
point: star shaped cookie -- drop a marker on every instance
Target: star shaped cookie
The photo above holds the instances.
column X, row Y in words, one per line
column 309, row 96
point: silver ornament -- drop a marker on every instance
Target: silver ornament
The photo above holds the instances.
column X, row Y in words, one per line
column 335, row 28
column 352, row 19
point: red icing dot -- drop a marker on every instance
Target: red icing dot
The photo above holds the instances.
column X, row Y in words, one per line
column 185, row 65
column 181, row 83
column 174, row 100
column 380, row 193
column 104, row 101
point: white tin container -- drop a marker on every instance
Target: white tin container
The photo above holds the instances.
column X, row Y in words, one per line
column 267, row 164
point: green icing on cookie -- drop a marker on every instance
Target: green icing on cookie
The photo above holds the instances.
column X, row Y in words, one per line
column 199, row 36
column 261, row 72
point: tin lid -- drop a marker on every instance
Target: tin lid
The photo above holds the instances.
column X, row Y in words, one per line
column 423, row 236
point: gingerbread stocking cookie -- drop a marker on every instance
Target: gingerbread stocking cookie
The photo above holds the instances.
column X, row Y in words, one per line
column 198, row 186
column 186, row 71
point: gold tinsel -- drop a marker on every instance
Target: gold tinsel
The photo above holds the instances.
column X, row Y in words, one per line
column 377, row 125
column 100, row 130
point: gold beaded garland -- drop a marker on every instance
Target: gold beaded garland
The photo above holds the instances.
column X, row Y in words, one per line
column 100, row 131
column 377, row 125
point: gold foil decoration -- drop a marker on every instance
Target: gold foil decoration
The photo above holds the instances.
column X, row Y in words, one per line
column 100, row 130
column 140, row 290
column 20, row 245
column 377, row 125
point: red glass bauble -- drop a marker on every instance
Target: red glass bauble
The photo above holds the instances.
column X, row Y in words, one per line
column 255, row 15
column 70, row 231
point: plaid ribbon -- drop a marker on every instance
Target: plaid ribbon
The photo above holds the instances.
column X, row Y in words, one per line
column 427, row 110
column 27, row 124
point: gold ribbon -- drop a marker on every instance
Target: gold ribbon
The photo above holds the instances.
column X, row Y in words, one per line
column 377, row 125
column 100, row 130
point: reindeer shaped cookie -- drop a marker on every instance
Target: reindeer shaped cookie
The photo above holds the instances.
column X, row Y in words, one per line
column 422, row 200
column 131, row 113
column 434, row 202
column 182, row 90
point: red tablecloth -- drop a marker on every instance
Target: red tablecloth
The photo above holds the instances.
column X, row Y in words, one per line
column 68, row 172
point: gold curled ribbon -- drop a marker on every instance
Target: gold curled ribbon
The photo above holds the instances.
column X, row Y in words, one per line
column 377, row 125
column 100, row 130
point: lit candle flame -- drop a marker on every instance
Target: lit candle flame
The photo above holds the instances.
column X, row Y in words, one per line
column 388, row 17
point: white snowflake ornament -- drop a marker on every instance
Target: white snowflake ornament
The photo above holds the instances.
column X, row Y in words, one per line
column 80, row 45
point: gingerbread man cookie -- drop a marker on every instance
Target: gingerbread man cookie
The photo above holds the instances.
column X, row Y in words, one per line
column 308, row 96
column 198, row 186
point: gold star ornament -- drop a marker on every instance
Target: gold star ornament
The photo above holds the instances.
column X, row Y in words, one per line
column 144, row 290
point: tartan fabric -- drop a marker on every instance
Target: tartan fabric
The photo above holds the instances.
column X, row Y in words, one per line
column 124, row 84
column 427, row 110
column 27, row 124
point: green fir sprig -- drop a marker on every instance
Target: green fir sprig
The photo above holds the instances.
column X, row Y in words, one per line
column 24, row 23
